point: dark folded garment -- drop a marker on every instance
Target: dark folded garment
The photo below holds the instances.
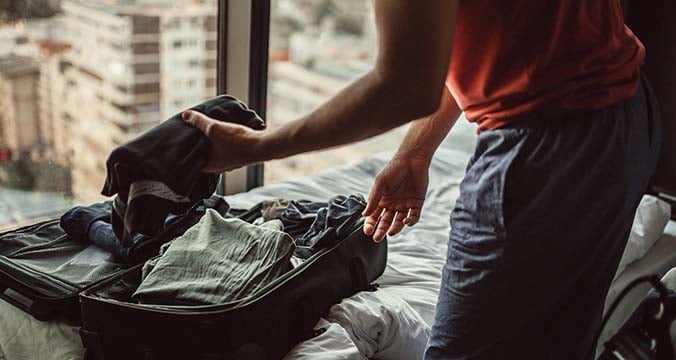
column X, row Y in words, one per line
column 160, row 172
column 76, row 221
column 319, row 225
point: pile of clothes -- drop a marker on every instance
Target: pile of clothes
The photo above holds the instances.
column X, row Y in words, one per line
column 222, row 258
column 158, row 177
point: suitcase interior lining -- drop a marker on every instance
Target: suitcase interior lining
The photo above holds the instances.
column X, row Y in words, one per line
column 30, row 251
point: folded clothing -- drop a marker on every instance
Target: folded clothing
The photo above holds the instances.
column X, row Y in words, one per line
column 161, row 171
column 77, row 221
column 218, row 260
column 319, row 225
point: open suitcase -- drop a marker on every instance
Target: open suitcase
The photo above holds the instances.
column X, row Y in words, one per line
column 46, row 274
column 43, row 271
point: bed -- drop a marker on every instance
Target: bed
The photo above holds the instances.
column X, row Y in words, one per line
column 391, row 323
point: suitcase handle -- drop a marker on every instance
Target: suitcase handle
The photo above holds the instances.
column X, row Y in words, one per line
column 25, row 304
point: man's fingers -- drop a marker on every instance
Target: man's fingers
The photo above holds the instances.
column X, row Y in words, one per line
column 374, row 199
column 383, row 225
column 198, row 120
column 371, row 221
column 413, row 217
column 398, row 223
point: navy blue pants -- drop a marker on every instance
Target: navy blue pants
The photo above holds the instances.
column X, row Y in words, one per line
column 542, row 219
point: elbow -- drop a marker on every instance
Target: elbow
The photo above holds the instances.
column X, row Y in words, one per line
column 412, row 98
column 423, row 104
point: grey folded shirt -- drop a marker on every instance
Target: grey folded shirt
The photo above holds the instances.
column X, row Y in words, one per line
column 217, row 261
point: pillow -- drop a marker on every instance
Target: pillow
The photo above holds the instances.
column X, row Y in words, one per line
column 651, row 218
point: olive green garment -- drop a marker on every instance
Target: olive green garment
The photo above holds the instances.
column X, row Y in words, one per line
column 217, row 261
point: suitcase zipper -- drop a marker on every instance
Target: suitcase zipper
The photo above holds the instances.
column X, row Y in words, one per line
column 50, row 280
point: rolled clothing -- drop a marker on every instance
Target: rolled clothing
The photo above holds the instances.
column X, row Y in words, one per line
column 77, row 221
column 319, row 225
column 93, row 224
column 161, row 171
column 218, row 260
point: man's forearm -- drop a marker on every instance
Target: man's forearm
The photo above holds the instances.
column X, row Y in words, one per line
column 367, row 108
column 425, row 135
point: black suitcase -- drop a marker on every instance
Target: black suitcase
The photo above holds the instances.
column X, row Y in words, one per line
column 43, row 271
column 264, row 326
column 98, row 297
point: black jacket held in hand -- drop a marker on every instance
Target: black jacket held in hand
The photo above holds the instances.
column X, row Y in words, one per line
column 160, row 172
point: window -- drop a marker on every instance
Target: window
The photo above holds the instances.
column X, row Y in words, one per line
column 150, row 68
column 316, row 48
column 69, row 95
column 146, row 88
column 142, row 24
column 145, row 48
column 210, row 64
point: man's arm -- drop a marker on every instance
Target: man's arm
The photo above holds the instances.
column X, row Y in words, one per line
column 425, row 135
column 415, row 43
column 399, row 190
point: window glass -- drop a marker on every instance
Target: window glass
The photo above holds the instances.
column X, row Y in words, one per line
column 77, row 79
column 317, row 47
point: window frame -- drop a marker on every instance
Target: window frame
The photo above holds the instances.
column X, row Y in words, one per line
column 242, row 71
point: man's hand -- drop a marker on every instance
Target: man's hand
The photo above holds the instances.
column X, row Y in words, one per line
column 232, row 145
column 397, row 196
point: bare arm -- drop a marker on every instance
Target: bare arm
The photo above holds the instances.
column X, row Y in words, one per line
column 415, row 43
column 399, row 190
column 425, row 135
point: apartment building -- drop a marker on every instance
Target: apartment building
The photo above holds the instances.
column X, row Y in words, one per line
column 19, row 115
column 129, row 65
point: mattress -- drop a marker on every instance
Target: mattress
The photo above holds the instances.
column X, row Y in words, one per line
column 391, row 323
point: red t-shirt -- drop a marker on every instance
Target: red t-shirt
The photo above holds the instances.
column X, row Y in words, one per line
column 513, row 57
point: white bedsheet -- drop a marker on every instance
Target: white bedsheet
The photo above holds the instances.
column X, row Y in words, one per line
column 658, row 260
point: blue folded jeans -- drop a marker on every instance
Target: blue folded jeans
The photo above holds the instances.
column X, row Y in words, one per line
column 537, row 233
